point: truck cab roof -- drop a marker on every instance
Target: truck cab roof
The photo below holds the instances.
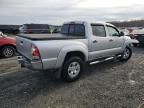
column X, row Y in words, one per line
column 83, row 22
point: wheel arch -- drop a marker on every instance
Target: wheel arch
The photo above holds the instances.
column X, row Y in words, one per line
column 67, row 52
column 75, row 53
column 7, row 45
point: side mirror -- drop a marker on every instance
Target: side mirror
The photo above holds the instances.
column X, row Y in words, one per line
column 122, row 34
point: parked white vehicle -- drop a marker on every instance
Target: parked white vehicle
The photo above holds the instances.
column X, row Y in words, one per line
column 78, row 43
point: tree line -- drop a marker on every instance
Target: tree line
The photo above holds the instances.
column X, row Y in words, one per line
column 133, row 23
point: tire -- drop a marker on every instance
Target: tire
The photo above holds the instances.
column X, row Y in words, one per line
column 8, row 51
column 72, row 69
column 126, row 54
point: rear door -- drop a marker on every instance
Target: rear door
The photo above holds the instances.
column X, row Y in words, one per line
column 99, row 42
column 115, row 40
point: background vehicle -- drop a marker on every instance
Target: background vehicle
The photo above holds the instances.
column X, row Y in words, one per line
column 140, row 38
column 7, row 46
column 78, row 43
column 11, row 29
column 35, row 28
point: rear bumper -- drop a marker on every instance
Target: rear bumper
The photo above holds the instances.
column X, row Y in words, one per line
column 33, row 65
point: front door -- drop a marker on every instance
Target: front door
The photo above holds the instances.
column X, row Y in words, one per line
column 99, row 42
column 115, row 40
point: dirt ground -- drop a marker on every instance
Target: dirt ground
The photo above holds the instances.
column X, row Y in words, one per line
column 111, row 84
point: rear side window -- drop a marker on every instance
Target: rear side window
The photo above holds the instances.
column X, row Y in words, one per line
column 98, row 30
column 73, row 29
column 79, row 30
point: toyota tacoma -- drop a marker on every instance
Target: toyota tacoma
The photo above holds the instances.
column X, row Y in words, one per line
column 78, row 43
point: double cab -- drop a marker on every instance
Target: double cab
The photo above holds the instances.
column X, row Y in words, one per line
column 78, row 43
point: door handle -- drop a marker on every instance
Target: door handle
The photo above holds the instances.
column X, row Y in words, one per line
column 95, row 41
column 111, row 40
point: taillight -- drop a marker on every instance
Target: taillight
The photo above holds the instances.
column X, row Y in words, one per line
column 35, row 53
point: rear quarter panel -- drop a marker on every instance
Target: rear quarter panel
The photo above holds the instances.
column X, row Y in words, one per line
column 53, row 52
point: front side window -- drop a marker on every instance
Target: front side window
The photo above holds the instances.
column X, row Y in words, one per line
column 98, row 30
column 113, row 31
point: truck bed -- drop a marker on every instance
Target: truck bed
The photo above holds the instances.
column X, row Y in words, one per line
column 37, row 37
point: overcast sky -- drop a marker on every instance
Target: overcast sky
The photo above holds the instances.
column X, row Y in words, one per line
column 59, row 11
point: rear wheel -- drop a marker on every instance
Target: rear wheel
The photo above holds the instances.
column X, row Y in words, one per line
column 126, row 54
column 8, row 51
column 72, row 69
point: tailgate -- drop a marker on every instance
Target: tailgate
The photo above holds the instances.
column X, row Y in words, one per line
column 24, row 46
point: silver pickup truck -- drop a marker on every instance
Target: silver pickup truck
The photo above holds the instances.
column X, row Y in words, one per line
column 78, row 43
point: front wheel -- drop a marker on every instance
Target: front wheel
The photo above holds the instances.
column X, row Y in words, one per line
column 72, row 68
column 126, row 54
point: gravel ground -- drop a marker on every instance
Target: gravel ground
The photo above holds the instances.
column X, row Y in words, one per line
column 9, row 65
column 111, row 84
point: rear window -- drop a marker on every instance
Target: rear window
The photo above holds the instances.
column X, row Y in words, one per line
column 65, row 29
column 73, row 29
